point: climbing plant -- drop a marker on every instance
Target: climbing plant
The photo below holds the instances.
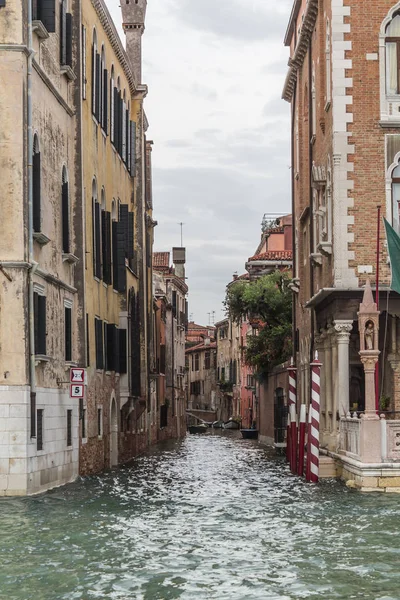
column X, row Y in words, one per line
column 267, row 303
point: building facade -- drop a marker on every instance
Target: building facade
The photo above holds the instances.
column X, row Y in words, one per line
column 343, row 86
column 41, row 244
column 201, row 361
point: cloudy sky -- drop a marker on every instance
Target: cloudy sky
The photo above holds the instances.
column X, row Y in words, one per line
column 215, row 71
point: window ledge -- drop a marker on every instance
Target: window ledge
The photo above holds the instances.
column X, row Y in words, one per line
column 68, row 72
column 40, row 238
column 70, row 363
column 395, row 123
column 316, row 259
column 40, row 30
column 325, row 248
column 41, row 358
column 70, row 258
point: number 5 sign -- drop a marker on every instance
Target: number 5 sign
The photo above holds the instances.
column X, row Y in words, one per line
column 77, row 390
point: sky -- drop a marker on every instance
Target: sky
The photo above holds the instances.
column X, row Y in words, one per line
column 221, row 155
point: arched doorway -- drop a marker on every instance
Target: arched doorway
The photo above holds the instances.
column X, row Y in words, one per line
column 113, row 434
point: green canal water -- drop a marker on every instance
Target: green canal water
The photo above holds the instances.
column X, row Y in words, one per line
column 211, row 517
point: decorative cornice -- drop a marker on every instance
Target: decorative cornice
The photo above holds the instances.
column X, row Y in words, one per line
column 296, row 61
column 115, row 41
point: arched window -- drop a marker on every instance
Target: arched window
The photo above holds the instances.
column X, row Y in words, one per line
column 36, row 185
column 105, row 240
column 392, row 43
column 96, row 78
column 65, row 213
column 104, row 93
column 396, row 197
column 112, row 104
column 124, row 127
column 96, row 232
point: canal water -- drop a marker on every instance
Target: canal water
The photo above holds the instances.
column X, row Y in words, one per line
column 210, row 517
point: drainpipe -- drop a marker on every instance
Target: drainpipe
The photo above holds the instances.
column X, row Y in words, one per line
column 33, row 264
column 294, row 296
column 310, row 159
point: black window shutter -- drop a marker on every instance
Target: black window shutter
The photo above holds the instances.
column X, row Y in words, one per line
column 115, row 254
column 106, row 245
column 93, row 79
column 122, row 352
column 131, row 236
column 123, row 218
column 34, row 8
column 36, row 192
column 132, row 165
column 68, row 333
column 47, row 14
column 87, row 341
column 36, row 320
column 115, row 118
column 98, row 75
column 99, row 343
column 174, row 303
column 126, row 134
column 105, row 101
column 40, row 323
column 69, row 39
column 116, row 349
column 120, row 121
column 121, row 245
column 106, row 344
column 63, row 32
column 65, row 218
column 97, row 247
column 110, row 356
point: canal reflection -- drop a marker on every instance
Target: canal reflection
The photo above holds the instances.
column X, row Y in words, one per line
column 211, row 517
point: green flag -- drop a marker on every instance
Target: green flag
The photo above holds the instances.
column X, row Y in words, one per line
column 393, row 242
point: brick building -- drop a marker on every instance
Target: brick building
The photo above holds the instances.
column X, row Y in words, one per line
column 344, row 87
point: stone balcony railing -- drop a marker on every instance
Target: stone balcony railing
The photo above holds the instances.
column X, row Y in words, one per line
column 350, row 428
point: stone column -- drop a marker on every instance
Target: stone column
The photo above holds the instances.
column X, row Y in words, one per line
column 319, row 345
column 328, row 379
column 369, row 358
column 343, row 329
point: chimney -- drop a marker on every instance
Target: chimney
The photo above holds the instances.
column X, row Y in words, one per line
column 179, row 260
column 133, row 19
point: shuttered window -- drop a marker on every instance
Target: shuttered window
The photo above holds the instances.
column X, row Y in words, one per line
column 84, row 77
column 39, row 431
column 123, row 131
column 45, row 11
column 131, row 236
column 96, row 240
column 99, row 422
column 36, row 188
column 113, row 350
column 106, row 365
column 98, row 325
column 69, row 427
column 115, row 117
column 106, row 246
column 63, row 32
column 119, row 229
column 123, row 352
column 87, row 341
column 97, row 87
column 132, row 164
column 68, row 333
column 94, row 79
column 174, row 303
column 104, row 120
column 39, row 307
column 65, row 218
column 69, row 40
column 112, row 105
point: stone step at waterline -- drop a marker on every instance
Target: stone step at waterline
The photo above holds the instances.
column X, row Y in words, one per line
column 327, row 467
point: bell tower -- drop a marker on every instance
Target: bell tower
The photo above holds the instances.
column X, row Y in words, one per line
column 133, row 19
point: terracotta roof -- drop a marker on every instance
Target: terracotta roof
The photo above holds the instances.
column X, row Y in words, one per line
column 273, row 255
column 161, row 260
column 192, row 325
column 202, row 346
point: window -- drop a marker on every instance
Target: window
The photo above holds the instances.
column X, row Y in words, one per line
column 103, row 91
column 392, row 43
column 87, row 341
column 96, row 232
column 105, row 241
column 36, row 185
column 39, row 302
column 65, row 35
column 112, row 105
column 68, row 332
column 39, row 433
column 98, row 328
column 45, row 11
column 65, row 213
column 396, row 197
column 82, row 417
column 84, row 76
column 314, row 106
column 100, row 422
column 250, row 381
column 69, row 427
column 96, row 78
column 197, row 362
column 207, row 360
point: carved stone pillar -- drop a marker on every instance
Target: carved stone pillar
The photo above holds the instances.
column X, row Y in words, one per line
column 343, row 329
column 328, row 379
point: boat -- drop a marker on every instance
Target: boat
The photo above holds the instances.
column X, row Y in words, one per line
column 217, row 425
column 249, row 434
column 198, row 428
column 231, row 425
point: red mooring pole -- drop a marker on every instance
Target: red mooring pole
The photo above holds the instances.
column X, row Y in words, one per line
column 293, row 439
column 315, row 413
column 302, row 439
column 292, row 401
column 308, row 462
column 378, row 244
column 288, row 450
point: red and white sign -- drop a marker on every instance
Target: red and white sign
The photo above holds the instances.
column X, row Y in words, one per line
column 77, row 375
column 77, row 390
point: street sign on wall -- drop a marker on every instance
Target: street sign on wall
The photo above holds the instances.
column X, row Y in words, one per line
column 77, row 375
column 77, row 390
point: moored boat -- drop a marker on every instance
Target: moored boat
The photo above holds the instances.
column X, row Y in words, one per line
column 249, row 434
column 231, row 425
column 198, row 428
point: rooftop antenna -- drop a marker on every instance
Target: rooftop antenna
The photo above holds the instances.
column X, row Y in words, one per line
column 213, row 317
column 209, row 318
column 181, row 226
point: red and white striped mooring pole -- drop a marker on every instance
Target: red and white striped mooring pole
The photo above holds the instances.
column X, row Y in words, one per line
column 291, row 401
column 302, row 439
column 313, row 432
column 293, row 439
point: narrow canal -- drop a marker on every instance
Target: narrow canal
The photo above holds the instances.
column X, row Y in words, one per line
column 211, row 517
